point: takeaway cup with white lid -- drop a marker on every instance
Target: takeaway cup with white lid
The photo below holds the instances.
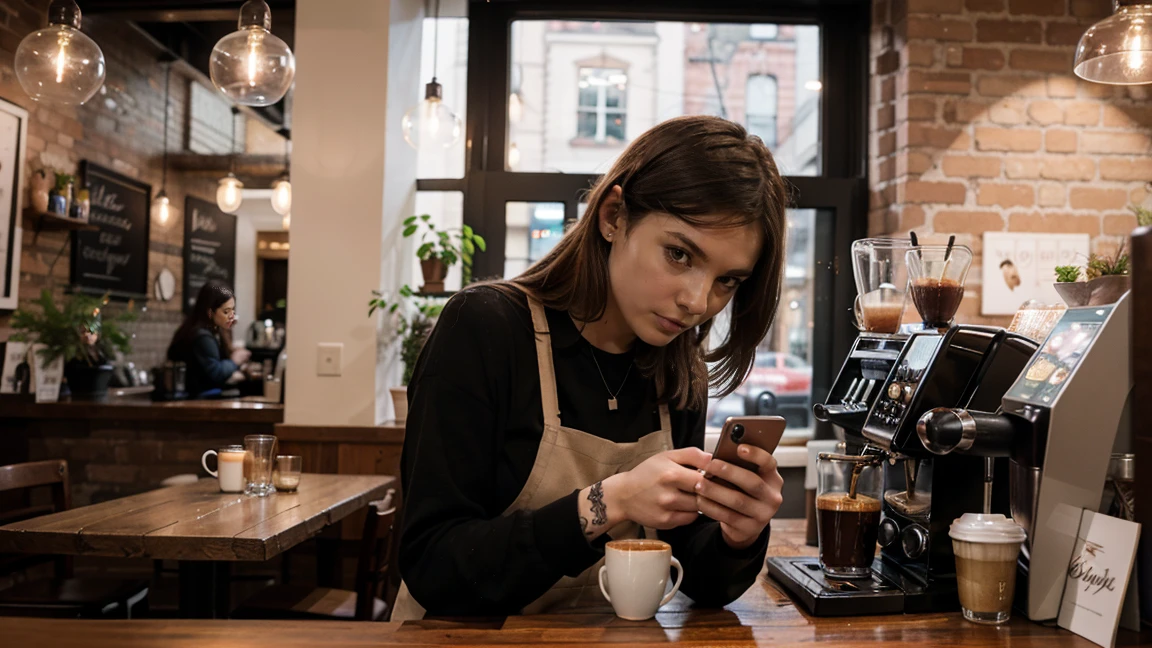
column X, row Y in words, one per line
column 986, row 547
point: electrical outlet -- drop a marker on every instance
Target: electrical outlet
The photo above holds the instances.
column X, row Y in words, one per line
column 328, row 358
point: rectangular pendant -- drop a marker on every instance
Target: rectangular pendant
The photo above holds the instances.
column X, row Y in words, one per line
column 611, row 403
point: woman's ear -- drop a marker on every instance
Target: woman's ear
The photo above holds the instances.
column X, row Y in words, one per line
column 611, row 221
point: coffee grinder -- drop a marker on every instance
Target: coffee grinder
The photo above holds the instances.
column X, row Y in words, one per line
column 915, row 571
column 1064, row 415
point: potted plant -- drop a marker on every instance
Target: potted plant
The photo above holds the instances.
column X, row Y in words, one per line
column 440, row 249
column 80, row 333
column 412, row 327
column 1106, row 280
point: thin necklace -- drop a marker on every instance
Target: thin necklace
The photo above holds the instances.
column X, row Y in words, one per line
column 612, row 403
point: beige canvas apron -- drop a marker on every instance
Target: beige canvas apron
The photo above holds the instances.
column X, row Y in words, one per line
column 567, row 460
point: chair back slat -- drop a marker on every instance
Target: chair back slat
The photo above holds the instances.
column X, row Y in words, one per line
column 52, row 473
column 375, row 552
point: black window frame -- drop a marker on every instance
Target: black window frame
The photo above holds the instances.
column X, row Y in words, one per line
column 841, row 187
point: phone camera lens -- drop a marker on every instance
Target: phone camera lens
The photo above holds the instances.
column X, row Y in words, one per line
column 737, row 432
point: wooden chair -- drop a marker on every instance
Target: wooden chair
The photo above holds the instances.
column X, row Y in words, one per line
column 363, row 604
column 62, row 595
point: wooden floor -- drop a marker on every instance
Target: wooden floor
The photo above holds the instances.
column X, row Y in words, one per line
column 762, row 617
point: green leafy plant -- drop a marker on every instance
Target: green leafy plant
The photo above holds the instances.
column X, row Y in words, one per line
column 1143, row 215
column 1067, row 273
column 62, row 330
column 1101, row 266
column 412, row 326
column 447, row 245
column 63, row 180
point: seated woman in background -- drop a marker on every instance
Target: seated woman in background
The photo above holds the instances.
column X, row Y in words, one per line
column 204, row 342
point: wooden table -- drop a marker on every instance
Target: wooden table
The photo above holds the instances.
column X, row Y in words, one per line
column 196, row 523
column 762, row 617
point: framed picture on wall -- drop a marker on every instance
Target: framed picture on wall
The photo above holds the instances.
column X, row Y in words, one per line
column 13, row 135
column 1019, row 266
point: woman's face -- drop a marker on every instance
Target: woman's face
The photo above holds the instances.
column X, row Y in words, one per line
column 225, row 316
column 668, row 276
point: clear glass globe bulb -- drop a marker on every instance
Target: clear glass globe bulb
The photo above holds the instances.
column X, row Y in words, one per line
column 252, row 66
column 59, row 64
column 229, row 194
column 282, row 196
column 286, row 222
column 431, row 124
column 161, row 208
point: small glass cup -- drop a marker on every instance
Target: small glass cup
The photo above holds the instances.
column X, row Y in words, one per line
column 286, row 472
column 847, row 513
column 260, row 450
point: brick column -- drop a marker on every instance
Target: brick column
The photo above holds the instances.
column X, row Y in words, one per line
column 978, row 124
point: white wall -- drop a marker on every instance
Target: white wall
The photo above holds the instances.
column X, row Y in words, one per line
column 353, row 180
column 255, row 215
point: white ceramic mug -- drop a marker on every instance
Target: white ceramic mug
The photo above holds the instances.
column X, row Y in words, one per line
column 637, row 573
column 230, row 462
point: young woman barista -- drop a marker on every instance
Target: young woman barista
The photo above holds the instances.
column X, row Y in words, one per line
column 566, row 407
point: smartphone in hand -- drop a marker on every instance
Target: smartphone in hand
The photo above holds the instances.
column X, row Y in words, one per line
column 764, row 432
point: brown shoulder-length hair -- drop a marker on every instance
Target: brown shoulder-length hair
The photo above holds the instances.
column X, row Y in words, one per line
column 708, row 172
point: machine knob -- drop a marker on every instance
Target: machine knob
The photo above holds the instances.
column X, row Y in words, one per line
column 889, row 532
column 908, row 391
column 914, row 540
column 894, row 390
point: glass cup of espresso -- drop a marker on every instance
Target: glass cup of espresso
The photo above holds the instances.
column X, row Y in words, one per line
column 847, row 513
column 986, row 547
column 634, row 576
column 229, row 467
column 259, row 451
column 936, row 275
column 286, row 472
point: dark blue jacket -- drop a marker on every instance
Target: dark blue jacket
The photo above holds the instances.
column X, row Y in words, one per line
column 207, row 369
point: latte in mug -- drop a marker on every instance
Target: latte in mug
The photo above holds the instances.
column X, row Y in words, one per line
column 986, row 547
column 230, row 467
column 634, row 576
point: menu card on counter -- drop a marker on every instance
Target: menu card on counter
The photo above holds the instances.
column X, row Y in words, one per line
column 17, row 373
column 47, row 376
column 1097, row 577
column 114, row 259
column 209, row 248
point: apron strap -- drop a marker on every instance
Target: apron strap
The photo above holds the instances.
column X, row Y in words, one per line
column 665, row 419
column 548, row 398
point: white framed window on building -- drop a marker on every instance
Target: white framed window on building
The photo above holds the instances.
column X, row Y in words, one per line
column 602, row 112
column 761, row 107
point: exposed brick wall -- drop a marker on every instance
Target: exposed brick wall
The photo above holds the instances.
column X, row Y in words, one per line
column 126, row 137
column 978, row 124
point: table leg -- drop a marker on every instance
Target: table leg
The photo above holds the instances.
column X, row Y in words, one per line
column 205, row 589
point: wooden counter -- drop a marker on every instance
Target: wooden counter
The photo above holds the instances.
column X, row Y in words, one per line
column 141, row 408
column 762, row 617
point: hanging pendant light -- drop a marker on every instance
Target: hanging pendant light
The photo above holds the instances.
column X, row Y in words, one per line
column 286, row 222
column 431, row 124
column 281, row 187
column 1118, row 49
column 251, row 66
column 230, row 193
column 60, row 64
column 161, row 207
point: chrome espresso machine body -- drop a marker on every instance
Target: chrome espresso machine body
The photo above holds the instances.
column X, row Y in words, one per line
column 884, row 386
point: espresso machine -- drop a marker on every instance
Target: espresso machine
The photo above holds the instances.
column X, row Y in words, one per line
column 1064, row 415
column 884, row 386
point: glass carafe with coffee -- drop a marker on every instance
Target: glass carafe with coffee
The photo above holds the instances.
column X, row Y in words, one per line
column 878, row 266
column 936, row 276
column 847, row 513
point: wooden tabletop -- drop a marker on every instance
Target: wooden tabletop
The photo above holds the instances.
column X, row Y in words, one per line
column 762, row 617
column 138, row 408
column 197, row 521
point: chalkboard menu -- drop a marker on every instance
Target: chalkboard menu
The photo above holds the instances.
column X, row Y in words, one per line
column 209, row 248
column 113, row 259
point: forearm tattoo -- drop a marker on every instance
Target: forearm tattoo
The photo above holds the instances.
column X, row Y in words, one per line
column 599, row 510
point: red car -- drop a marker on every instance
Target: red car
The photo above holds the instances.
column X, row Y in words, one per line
column 779, row 373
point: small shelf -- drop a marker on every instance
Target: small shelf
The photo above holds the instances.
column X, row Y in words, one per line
column 48, row 221
column 444, row 294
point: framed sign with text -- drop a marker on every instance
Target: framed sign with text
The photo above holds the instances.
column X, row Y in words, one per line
column 209, row 248
column 113, row 259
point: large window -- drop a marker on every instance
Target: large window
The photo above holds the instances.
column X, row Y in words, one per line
column 555, row 93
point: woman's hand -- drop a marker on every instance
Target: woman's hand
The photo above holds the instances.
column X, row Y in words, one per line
column 240, row 356
column 742, row 515
column 657, row 493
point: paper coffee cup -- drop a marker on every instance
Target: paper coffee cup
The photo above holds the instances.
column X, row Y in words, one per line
column 986, row 548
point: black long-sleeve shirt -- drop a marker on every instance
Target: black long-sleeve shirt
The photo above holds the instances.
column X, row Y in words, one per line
column 473, row 429
column 206, row 369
